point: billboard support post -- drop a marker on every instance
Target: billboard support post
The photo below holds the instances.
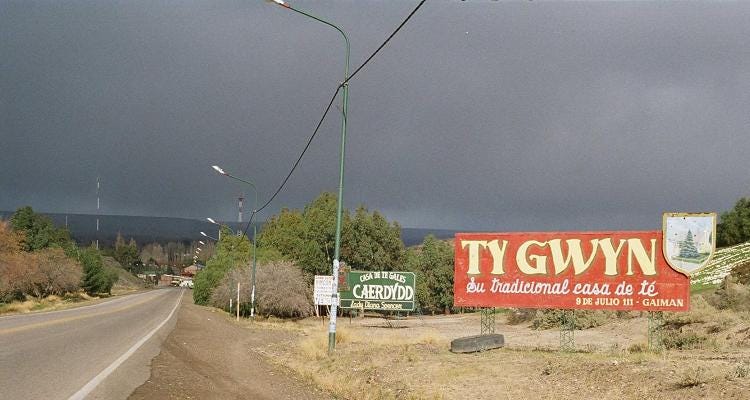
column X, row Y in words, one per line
column 655, row 323
column 567, row 330
column 487, row 320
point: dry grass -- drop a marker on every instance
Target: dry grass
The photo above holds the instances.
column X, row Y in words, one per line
column 372, row 361
column 49, row 303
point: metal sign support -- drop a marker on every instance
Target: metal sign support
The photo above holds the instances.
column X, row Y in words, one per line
column 487, row 320
column 655, row 323
column 567, row 330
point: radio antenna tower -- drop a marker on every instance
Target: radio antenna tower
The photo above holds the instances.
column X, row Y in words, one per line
column 97, row 213
column 239, row 215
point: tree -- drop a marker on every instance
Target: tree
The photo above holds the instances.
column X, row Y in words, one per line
column 39, row 232
column 125, row 254
column 96, row 279
column 153, row 253
column 13, row 263
column 432, row 262
column 231, row 252
column 368, row 241
column 10, row 240
column 734, row 225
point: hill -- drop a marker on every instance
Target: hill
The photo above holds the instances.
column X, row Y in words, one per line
column 721, row 265
column 167, row 229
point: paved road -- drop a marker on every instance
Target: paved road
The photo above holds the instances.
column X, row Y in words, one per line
column 101, row 351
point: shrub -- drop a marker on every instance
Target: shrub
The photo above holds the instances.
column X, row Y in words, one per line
column 56, row 273
column 693, row 377
column 521, row 315
column 231, row 251
column 731, row 295
column 741, row 370
column 12, row 274
column 638, row 348
column 584, row 319
column 742, row 272
column 283, row 291
column 683, row 339
column 280, row 290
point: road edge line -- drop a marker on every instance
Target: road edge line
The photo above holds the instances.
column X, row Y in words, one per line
column 94, row 382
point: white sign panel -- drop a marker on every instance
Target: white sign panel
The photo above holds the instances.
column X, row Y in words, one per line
column 323, row 290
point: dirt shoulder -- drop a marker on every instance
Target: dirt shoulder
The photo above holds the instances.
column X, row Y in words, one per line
column 210, row 356
column 410, row 359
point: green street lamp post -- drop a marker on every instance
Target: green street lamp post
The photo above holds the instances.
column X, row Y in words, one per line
column 339, row 208
column 255, row 209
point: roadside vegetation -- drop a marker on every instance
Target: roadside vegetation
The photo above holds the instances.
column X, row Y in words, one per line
column 303, row 241
column 296, row 245
column 40, row 266
column 706, row 354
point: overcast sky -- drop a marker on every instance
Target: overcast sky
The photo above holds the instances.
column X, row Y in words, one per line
column 479, row 115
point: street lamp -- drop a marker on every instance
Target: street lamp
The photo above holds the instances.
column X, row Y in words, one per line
column 208, row 236
column 211, row 220
column 255, row 210
column 345, row 102
column 202, row 243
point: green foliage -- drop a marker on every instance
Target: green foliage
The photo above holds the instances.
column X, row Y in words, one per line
column 683, row 340
column 521, row 315
column 370, row 242
column 96, row 279
column 38, row 230
column 545, row 318
column 125, row 253
column 734, row 225
column 231, row 252
column 307, row 237
column 433, row 265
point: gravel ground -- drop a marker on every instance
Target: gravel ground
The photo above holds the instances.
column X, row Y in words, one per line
column 208, row 356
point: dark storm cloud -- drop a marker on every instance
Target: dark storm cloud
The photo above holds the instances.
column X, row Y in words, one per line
column 478, row 115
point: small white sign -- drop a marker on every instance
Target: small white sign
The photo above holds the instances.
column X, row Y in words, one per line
column 323, row 290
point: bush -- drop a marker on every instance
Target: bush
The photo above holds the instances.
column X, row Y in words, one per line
column 56, row 273
column 281, row 290
column 231, row 252
column 521, row 315
column 731, row 295
column 742, row 273
column 12, row 275
column 693, row 377
column 683, row 339
column 584, row 319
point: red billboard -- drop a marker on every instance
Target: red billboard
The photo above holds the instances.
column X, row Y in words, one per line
column 573, row 270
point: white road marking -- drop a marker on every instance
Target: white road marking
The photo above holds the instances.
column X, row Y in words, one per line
column 93, row 383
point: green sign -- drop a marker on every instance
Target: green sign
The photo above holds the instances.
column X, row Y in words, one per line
column 379, row 290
